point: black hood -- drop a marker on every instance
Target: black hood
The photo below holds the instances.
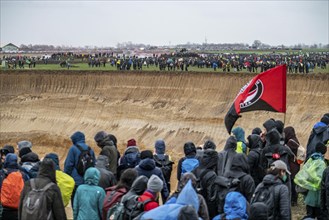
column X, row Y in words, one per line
column 209, row 159
column 289, row 133
column 147, row 164
column 24, row 151
column 240, row 163
column 30, row 157
column 54, row 157
column 269, row 124
column 254, row 141
column 139, row 185
column 230, row 143
column 47, row 169
column 279, row 126
column 209, row 145
column 273, row 137
column 189, row 148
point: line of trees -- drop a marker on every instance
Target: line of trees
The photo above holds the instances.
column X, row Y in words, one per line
column 257, row 44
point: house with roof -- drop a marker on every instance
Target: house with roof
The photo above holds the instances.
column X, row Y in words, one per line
column 10, row 48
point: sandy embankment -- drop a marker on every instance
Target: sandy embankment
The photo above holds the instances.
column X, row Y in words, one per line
column 47, row 107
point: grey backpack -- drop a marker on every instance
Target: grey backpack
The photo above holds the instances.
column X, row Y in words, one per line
column 35, row 203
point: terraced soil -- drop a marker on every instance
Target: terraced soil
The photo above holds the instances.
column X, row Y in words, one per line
column 46, row 107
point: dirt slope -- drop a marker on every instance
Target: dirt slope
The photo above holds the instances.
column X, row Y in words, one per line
column 47, row 107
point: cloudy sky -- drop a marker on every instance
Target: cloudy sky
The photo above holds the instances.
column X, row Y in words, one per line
column 106, row 23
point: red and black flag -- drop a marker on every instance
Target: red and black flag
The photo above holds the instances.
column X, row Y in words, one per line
column 266, row 91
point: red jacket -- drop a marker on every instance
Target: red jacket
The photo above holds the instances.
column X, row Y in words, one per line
column 150, row 205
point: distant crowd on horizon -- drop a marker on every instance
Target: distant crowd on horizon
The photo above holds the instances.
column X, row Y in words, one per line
column 256, row 178
column 296, row 63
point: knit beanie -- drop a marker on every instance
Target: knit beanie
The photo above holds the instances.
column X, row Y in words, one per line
column 209, row 145
column 146, row 154
column 154, row 184
column 160, row 147
column 320, row 148
column 24, row 144
column 131, row 142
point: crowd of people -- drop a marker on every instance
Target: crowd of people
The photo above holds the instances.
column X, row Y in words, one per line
column 256, row 178
column 227, row 62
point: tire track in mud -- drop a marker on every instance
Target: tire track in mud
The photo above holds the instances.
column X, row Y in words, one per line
column 178, row 107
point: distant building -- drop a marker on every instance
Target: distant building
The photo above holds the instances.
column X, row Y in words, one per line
column 10, row 48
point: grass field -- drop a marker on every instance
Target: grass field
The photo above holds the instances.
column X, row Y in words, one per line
column 108, row 67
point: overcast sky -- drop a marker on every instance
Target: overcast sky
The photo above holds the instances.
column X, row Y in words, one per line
column 106, row 23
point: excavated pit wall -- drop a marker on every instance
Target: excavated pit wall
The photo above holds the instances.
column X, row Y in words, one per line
column 46, row 107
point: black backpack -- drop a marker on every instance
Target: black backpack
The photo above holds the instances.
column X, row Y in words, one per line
column 224, row 185
column 165, row 165
column 129, row 160
column 265, row 194
column 273, row 156
column 134, row 208
column 35, row 203
column 116, row 212
column 209, row 190
column 85, row 160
